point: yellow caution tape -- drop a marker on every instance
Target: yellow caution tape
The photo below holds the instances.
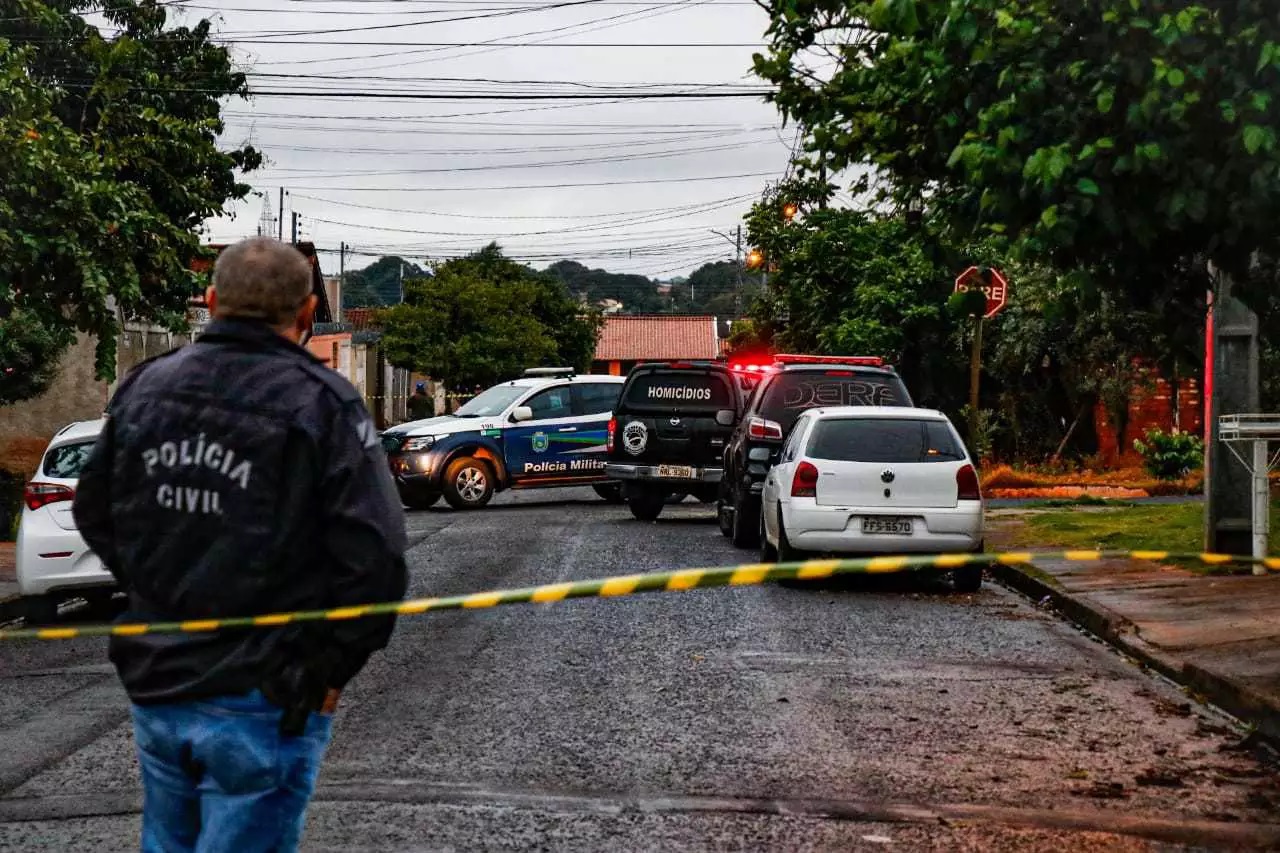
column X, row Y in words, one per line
column 670, row 581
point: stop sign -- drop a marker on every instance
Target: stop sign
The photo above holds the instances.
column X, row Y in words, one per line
column 996, row 289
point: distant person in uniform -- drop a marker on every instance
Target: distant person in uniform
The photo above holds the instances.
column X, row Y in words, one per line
column 421, row 405
column 236, row 476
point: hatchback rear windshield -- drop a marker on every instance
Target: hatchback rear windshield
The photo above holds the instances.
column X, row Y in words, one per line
column 679, row 390
column 884, row 440
column 66, row 461
column 789, row 394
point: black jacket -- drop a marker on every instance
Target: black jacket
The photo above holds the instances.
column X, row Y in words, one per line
column 237, row 476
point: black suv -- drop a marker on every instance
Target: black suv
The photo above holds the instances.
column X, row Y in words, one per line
column 790, row 385
column 668, row 433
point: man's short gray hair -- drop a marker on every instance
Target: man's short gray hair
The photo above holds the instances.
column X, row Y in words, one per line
column 261, row 279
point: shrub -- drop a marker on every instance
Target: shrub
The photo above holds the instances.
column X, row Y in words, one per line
column 1170, row 455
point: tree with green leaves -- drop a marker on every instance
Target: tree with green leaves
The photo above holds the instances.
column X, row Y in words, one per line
column 109, row 148
column 848, row 282
column 638, row 294
column 378, row 285
column 485, row 318
column 1121, row 141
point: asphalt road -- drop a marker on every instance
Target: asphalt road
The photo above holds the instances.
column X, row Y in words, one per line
column 890, row 716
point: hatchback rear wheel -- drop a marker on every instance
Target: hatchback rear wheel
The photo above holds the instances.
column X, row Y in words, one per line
column 786, row 553
column 768, row 553
column 968, row 579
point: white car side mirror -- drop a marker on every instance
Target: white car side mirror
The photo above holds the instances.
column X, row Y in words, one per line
column 521, row 413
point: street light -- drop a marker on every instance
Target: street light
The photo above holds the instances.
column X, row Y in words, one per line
column 755, row 258
column 789, row 211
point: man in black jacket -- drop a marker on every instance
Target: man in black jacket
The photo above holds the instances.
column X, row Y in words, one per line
column 239, row 476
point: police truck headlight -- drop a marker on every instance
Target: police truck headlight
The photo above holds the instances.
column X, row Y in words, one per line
column 419, row 442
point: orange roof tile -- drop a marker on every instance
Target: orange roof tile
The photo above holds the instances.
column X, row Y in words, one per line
column 657, row 337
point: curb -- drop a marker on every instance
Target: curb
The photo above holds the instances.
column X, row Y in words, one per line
column 1239, row 700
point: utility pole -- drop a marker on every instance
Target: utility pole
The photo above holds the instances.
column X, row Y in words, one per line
column 737, row 268
column 401, row 302
column 1232, row 388
column 342, row 278
column 280, row 221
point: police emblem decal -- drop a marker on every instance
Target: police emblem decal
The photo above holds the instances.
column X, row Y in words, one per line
column 635, row 436
column 540, row 442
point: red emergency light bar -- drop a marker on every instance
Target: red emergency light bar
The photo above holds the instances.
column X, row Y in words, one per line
column 862, row 360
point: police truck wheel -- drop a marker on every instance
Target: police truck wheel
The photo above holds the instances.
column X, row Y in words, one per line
column 646, row 505
column 610, row 493
column 746, row 523
column 420, row 500
column 468, row 483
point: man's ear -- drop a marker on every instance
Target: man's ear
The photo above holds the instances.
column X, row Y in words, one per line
column 211, row 299
column 307, row 313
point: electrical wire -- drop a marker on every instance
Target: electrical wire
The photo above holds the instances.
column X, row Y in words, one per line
column 693, row 179
column 451, row 214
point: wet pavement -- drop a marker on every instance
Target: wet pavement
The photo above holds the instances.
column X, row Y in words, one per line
column 892, row 714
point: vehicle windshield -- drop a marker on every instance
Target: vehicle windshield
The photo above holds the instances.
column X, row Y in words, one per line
column 491, row 402
column 679, row 389
column 790, row 394
column 900, row 440
column 68, row 460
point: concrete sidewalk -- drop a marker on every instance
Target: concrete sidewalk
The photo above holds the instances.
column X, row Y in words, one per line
column 1217, row 635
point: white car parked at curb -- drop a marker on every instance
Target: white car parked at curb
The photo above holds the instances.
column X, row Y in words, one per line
column 873, row 480
column 53, row 560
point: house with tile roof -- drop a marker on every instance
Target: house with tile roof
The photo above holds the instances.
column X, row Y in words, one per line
column 628, row 339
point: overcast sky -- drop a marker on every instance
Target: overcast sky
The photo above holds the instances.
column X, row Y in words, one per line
column 434, row 178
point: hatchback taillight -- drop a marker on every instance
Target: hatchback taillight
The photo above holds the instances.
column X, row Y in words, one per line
column 613, row 430
column 805, row 482
column 967, row 488
column 37, row 495
column 760, row 428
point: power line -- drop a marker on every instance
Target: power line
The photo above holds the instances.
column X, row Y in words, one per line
column 404, row 24
column 452, row 215
column 497, row 167
column 450, row 96
column 484, row 152
column 329, row 188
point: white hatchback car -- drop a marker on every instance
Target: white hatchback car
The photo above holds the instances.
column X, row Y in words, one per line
column 873, row 480
column 53, row 560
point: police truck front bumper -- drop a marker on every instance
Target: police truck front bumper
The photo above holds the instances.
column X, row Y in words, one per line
column 415, row 468
column 663, row 473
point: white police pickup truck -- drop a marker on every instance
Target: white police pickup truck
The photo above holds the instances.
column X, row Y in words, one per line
column 547, row 428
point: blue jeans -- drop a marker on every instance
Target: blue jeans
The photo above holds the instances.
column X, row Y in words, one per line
column 218, row 776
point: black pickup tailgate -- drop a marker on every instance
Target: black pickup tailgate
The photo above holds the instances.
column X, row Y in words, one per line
column 668, row 416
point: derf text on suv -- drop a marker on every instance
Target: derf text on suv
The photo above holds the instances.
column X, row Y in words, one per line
column 669, row 432
column 791, row 384
column 545, row 429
